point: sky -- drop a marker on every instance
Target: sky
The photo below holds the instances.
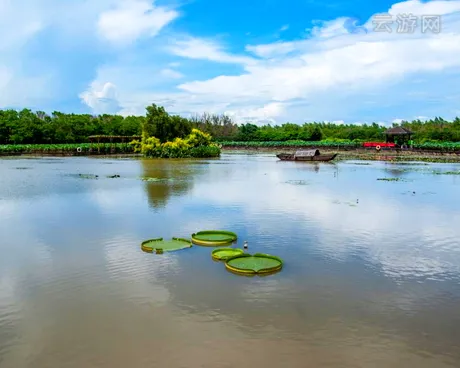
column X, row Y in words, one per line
column 259, row 61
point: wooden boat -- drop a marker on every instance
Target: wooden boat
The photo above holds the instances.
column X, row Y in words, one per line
column 307, row 155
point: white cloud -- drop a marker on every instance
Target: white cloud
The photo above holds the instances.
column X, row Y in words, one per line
column 171, row 73
column 329, row 29
column 265, row 114
column 101, row 98
column 284, row 28
column 356, row 73
column 17, row 27
column 196, row 48
column 299, row 80
column 131, row 19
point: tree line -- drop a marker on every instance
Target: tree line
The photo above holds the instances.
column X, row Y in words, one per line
column 28, row 127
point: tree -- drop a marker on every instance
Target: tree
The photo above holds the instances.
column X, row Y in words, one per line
column 158, row 123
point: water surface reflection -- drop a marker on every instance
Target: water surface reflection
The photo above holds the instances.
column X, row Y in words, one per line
column 371, row 277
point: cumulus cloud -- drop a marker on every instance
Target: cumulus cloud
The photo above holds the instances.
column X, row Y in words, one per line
column 101, row 98
column 340, row 70
column 49, row 48
column 355, row 72
column 264, row 114
column 129, row 20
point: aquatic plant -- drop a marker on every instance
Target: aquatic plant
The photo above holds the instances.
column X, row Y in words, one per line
column 389, row 179
column 292, row 143
column 442, row 146
column 446, row 172
column 66, row 148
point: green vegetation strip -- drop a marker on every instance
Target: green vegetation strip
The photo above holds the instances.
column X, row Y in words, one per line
column 27, row 126
column 213, row 237
column 128, row 148
column 446, row 172
column 254, row 264
column 223, row 254
column 294, row 143
column 66, row 147
column 446, row 146
column 159, row 245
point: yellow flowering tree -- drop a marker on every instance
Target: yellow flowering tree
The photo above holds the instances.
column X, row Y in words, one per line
column 196, row 144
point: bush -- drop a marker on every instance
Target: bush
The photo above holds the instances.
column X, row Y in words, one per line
column 196, row 144
column 205, row 151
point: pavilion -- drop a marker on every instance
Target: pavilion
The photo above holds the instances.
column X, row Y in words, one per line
column 398, row 135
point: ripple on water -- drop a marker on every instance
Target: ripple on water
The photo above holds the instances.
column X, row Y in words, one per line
column 378, row 280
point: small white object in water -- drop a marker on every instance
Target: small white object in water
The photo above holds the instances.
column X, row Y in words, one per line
column 245, row 245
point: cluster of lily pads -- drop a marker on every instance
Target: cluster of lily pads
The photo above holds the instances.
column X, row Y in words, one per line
column 235, row 259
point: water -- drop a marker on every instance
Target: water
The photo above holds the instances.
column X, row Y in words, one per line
column 371, row 277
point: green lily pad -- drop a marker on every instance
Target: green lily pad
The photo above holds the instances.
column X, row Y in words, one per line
column 159, row 245
column 257, row 263
column 223, row 254
column 213, row 237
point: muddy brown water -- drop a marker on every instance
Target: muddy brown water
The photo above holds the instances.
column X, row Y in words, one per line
column 371, row 275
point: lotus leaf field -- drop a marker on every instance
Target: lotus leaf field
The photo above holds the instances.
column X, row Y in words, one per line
column 443, row 146
column 65, row 147
column 122, row 148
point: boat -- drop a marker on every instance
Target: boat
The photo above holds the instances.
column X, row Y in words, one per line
column 306, row 155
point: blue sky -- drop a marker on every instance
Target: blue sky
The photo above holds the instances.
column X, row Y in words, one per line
column 259, row 61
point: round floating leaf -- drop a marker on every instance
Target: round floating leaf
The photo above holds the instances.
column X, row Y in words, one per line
column 254, row 264
column 159, row 245
column 223, row 254
column 213, row 237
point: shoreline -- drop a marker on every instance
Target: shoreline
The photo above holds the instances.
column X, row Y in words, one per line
column 343, row 154
column 361, row 154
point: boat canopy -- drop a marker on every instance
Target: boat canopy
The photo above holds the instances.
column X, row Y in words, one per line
column 307, row 153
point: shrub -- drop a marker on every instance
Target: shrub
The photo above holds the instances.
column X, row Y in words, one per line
column 196, row 144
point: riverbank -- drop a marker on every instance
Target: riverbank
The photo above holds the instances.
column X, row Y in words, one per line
column 344, row 153
column 361, row 153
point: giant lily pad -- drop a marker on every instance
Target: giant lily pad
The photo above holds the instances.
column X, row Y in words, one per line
column 254, row 264
column 223, row 254
column 213, row 237
column 159, row 245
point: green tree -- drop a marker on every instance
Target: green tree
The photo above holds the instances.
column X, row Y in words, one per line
column 158, row 123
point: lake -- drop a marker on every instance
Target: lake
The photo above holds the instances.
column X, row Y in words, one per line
column 371, row 275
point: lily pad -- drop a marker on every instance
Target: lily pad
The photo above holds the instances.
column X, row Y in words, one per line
column 213, row 237
column 254, row 264
column 223, row 254
column 159, row 245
